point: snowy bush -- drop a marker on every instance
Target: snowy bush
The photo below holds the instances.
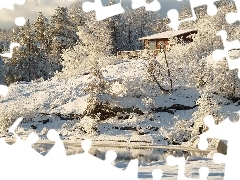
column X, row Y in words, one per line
column 91, row 48
column 10, row 113
column 118, row 89
column 180, row 132
column 87, row 125
column 216, row 84
column 157, row 75
column 149, row 103
column 206, row 107
column 97, row 89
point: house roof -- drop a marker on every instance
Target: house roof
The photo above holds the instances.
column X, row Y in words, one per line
column 168, row 34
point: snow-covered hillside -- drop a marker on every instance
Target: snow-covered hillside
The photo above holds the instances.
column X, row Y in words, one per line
column 139, row 112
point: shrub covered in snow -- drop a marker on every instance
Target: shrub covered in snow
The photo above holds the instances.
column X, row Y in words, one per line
column 88, row 125
column 180, row 132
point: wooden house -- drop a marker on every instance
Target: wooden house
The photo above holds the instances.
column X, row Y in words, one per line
column 158, row 42
column 162, row 40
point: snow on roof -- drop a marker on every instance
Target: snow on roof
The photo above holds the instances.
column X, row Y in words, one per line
column 168, row 34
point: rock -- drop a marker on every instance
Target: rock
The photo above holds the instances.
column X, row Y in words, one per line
column 45, row 121
column 222, row 147
column 33, row 126
column 151, row 119
column 44, row 131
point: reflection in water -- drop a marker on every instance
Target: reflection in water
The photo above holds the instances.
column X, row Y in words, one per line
column 144, row 155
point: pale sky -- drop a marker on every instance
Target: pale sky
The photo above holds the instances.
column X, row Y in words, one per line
column 31, row 8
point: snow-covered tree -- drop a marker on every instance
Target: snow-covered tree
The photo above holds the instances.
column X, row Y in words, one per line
column 95, row 44
column 5, row 39
column 76, row 13
column 155, row 75
column 97, row 88
column 62, row 31
column 134, row 24
column 31, row 60
column 41, row 30
column 27, row 41
column 22, row 62
column 2, row 71
column 185, row 13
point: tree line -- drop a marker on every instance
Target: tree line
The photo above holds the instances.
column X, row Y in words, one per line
column 48, row 44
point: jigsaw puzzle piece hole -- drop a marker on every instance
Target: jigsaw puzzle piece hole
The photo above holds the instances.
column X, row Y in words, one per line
column 203, row 144
column 218, row 54
column 157, row 174
column 20, row 21
column 53, row 135
column 32, row 138
column 87, row 6
column 14, row 126
column 86, row 145
column 204, row 172
column 212, row 10
column 12, row 46
column 110, row 156
column 219, row 158
column 154, row 5
column 209, row 121
column 171, row 160
column 173, row 15
column 3, row 90
column 102, row 12
column 231, row 18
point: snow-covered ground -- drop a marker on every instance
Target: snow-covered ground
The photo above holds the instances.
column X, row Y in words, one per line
column 53, row 104
column 49, row 104
column 59, row 103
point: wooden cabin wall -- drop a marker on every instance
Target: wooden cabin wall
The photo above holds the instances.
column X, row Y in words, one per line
column 164, row 41
column 145, row 44
column 158, row 44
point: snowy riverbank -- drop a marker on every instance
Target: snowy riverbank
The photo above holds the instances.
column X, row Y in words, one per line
column 139, row 113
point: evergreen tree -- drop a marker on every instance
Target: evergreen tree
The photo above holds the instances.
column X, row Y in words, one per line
column 62, row 31
column 112, row 28
column 76, row 14
column 22, row 62
column 30, row 61
column 5, row 39
column 185, row 13
column 27, row 42
column 133, row 25
column 40, row 29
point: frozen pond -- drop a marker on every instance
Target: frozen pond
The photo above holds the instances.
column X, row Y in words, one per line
column 125, row 154
column 149, row 159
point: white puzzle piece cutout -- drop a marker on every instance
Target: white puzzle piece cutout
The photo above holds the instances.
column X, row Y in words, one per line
column 20, row 157
column 9, row 55
column 228, row 131
column 101, row 11
column 173, row 14
column 219, row 54
column 153, row 6
column 233, row 17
